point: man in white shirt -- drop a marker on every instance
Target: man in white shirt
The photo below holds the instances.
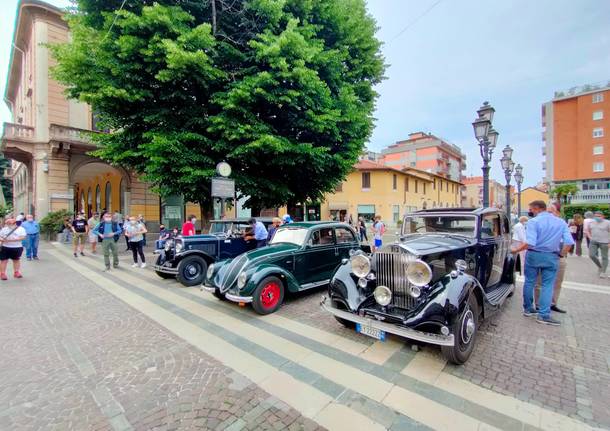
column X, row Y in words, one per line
column 585, row 226
column 11, row 237
column 519, row 236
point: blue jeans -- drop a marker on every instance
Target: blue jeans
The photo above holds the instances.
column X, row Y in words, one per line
column 31, row 245
column 545, row 264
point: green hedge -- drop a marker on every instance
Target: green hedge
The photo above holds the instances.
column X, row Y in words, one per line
column 52, row 223
column 568, row 211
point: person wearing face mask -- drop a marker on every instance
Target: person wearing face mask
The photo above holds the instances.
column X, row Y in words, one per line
column 544, row 235
column 80, row 230
column 598, row 231
column 134, row 231
column 188, row 228
column 519, row 238
column 108, row 232
column 32, row 229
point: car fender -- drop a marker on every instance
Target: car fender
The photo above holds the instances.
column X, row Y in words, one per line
column 263, row 271
column 456, row 291
column 344, row 288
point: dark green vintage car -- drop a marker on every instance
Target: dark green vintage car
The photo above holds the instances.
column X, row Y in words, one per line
column 300, row 256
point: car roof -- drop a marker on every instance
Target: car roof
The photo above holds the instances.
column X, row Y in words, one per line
column 460, row 210
column 310, row 224
column 242, row 220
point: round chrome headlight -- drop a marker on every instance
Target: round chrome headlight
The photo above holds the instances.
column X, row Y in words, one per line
column 415, row 292
column 168, row 245
column 179, row 246
column 419, row 273
column 383, row 295
column 210, row 272
column 461, row 265
column 361, row 265
column 241, row 280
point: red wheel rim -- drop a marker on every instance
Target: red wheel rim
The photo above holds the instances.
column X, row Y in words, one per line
column 270, row 295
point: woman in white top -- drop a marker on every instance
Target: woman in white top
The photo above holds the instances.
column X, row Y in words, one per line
column 134, row 231
column 11, row 236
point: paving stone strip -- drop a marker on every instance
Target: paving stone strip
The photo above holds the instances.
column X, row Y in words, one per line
column 476, row 411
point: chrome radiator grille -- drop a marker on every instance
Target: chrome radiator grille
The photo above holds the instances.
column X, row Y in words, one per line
column 391, row 272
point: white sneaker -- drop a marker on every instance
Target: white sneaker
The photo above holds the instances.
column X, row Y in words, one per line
column 603, row 275
column 143, row 265
column 135, row 265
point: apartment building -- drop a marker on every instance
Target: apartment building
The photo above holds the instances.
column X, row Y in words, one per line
column 426, row 152
column 375, row 189
column 576, row 144
column 472, row 193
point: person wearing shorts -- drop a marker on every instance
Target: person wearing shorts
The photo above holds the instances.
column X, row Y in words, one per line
column 378, row 231
column 93, row 222
column 11, row 237
column 80, row 229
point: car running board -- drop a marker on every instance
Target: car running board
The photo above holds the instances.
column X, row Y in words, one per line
column 497, row 296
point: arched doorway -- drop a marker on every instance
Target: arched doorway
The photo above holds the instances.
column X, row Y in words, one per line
column 107, row 187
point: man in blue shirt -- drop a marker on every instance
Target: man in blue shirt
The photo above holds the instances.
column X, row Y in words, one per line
column 108, row 231
column 260, row 233
column 32, row 228
column 544, row 235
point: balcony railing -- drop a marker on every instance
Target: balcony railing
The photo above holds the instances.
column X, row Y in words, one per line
column 61, row 133
column 591, row 196
column 18, row 132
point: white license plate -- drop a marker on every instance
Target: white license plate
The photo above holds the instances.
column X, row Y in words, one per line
column 370, row 331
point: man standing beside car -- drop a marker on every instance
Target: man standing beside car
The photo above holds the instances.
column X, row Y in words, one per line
column 544, row 235
column 260, row 232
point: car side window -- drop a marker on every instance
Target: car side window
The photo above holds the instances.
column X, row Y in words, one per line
column 490, row 226
column 344, row 235
column 322, row 237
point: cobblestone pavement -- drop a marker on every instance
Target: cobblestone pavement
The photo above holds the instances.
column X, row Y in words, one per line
column 128, row 350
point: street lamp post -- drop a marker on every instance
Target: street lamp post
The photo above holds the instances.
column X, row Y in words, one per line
column 509, row 166
column 519, row 180
column 488, row 139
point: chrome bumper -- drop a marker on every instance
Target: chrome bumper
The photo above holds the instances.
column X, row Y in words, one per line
column 166, row 269
column 208, row 288
column 237, row 298
column 401, row 331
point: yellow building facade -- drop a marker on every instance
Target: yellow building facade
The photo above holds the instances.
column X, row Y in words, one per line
column 531, row 194
column 373, row 189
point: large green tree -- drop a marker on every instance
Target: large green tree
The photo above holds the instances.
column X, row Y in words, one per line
column 280, row 89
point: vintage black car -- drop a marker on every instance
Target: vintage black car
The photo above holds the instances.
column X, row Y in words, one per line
column 449, row 269
column 300, row 256
column 187, row 258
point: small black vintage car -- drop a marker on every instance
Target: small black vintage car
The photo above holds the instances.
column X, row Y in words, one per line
column 449, row 269
column 187, row 258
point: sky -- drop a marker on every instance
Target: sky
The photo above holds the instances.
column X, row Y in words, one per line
column 446, row 57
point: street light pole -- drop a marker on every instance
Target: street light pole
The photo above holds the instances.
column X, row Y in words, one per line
column 487, row 138
column 519, row 180
column 508, row 165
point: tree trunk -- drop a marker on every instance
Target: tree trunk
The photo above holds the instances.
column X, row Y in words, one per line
column 213, row 17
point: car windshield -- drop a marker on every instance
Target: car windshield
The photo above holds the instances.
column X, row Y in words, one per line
column 293, row 235
column 451, row 224
column 220, row 227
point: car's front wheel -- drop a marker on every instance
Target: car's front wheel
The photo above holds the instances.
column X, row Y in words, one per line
column 268, row 295
column 346, row 323
column 464, row 330
column 191, row 270
column 219, row 295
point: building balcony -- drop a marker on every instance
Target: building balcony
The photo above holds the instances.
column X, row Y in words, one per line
column 591, row 197
column 70, row 135
column 17, row 132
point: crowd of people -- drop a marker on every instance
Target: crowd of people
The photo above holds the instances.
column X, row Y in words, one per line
column 543, row 240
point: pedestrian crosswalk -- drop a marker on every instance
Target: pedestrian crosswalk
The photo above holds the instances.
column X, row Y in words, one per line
column 338, row 382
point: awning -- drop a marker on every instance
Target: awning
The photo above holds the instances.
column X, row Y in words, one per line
column 334, row 206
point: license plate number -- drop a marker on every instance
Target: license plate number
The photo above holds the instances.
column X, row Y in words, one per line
column 370, row 331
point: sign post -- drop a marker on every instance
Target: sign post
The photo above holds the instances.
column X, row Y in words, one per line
column 222, row 186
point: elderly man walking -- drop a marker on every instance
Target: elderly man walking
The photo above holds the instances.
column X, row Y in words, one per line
column 544, row 235
column 598, row 231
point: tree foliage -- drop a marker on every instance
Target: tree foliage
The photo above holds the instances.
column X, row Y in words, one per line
column 280, row 89
column 6, row 183
column 562, row 191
